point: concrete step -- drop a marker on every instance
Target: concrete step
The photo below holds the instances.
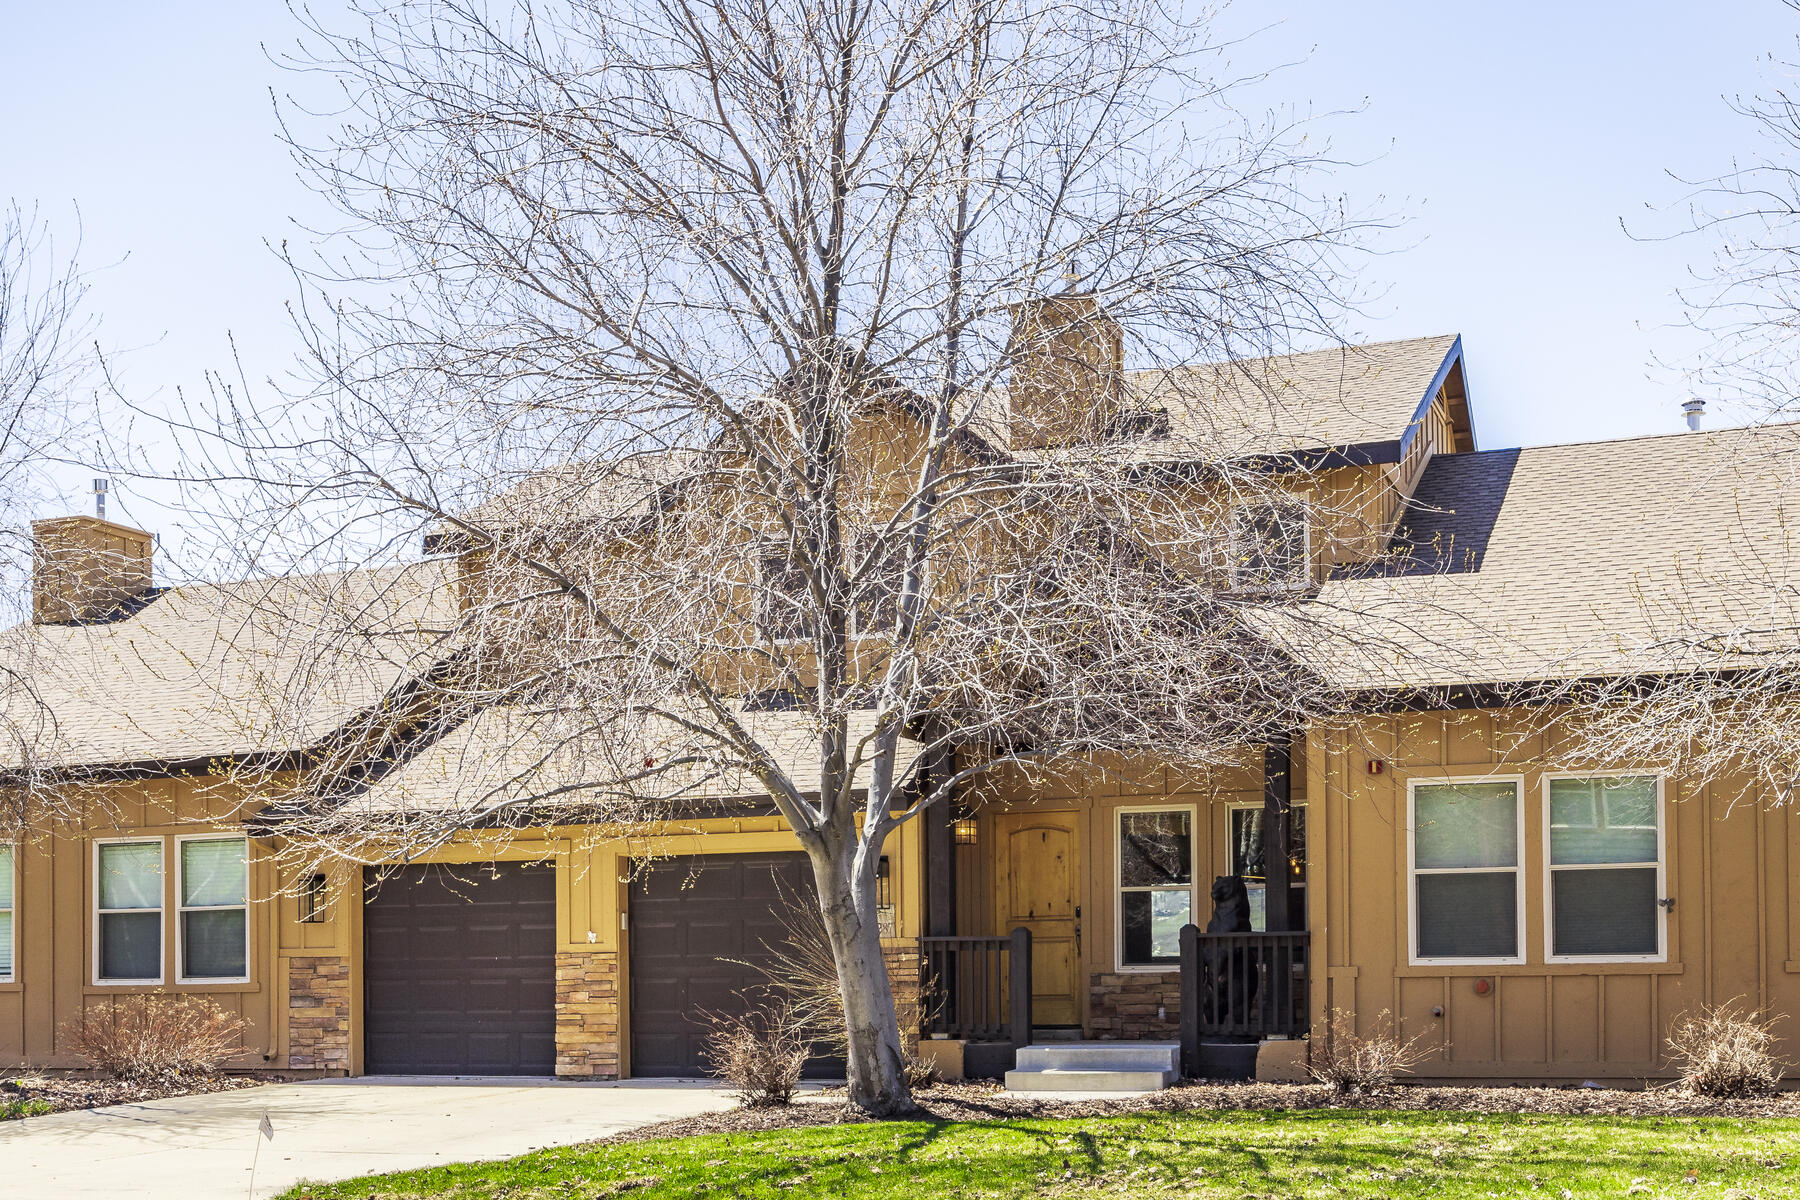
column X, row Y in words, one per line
column 1051, row 1080
column 1096, row 1067
column 1100, row 1056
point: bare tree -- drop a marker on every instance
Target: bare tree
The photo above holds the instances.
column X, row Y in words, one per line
column 45, row 340
column 1703, row 676
column 752, row 371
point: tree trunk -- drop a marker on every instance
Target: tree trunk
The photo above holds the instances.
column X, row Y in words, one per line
column 877, row 1074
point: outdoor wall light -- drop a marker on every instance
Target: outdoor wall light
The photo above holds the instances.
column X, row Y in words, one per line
column 965, row 830
column 312, row 900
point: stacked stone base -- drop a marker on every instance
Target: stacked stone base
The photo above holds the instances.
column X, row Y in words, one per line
column 319, row 1014
column 1127, row 1006
column 587, row 1014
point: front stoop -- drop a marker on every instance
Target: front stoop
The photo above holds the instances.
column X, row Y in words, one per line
column 1096, row 1067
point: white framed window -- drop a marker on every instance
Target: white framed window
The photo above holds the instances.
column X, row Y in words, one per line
column 128, row 911
column 1465, row 885
column 1246, row 857
column 1154, row 882
column 1604, row 870
column 8, row 888
column 212, row 933
column 1271, row 545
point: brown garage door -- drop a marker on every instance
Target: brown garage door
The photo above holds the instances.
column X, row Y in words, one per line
column 687, row 916
column 459, row 965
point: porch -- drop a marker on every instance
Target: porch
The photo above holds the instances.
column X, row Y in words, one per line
column 1120, row 907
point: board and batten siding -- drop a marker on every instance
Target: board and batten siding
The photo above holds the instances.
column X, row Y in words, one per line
column 54, row 984
column 1734, row 933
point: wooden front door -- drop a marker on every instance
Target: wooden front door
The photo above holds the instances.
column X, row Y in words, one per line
column 1036, row 888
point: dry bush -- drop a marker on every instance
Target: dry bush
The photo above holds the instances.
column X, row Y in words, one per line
column 760, row 1053
column 800, row 971
column 1726, row 1052
column 1350, row 1063
column 150, row 1036
column 922, row 1073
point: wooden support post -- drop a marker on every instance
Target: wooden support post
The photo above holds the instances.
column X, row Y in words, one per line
column 1190, row 1001
column 940, row 854
column 1019, row 988
column 1278, row 777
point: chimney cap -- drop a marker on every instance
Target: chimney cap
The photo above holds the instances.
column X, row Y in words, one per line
column 1694, row 410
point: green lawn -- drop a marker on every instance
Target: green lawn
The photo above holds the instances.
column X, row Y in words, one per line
column 1229, row 1154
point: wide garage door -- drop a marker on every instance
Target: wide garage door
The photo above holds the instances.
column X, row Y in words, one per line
column 689, row 916
column 459, row 964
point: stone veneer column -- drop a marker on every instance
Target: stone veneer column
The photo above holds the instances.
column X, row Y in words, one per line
column 587, row 1013
column 319, row 1013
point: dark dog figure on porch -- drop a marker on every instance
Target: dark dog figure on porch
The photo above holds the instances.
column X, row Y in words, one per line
column 1231, row 975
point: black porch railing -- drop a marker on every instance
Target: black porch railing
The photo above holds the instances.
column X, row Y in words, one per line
column 1241, row 985
column 978, row 988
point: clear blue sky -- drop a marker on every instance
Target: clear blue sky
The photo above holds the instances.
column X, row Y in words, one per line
column 1516, row 135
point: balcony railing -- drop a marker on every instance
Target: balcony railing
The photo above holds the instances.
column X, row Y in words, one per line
column 978, row 988
column 1241, row 985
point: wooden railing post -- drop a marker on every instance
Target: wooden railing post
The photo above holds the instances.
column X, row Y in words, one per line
column 1019, row 988
column 1190, row 1001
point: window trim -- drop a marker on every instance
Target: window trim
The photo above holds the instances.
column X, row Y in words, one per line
column 1309, row 575
column 12, row 848
column 1413, row 957
column 162, row 912
column 1662, row 869
column 1118, row 886
column 1230, row 843
column 181, row 977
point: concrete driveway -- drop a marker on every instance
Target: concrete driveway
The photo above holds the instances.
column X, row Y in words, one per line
column 200, row 1147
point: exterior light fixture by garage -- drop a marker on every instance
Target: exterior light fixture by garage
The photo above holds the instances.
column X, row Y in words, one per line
column 965, row 831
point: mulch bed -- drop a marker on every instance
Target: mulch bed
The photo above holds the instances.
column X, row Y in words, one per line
column 66, row 1093
column 989, row 1102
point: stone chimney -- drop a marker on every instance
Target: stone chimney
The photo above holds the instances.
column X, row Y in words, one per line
column 84, row 569
column 1068, row 371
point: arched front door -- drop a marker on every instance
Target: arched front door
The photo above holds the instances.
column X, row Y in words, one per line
column 1039, row 866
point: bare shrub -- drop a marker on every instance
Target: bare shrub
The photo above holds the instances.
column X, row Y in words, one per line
column 760, row 1053
column 922, row 1073
column 148, row 1037
column 1726, row 1052
column 801, row 971
column 1350, row 1063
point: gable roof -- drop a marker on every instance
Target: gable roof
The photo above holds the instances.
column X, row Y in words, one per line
column 1362, row 401
column 220, row 670
column 1599, row 559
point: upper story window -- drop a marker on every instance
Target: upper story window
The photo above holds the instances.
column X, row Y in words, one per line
column 1605, row 867
column 6, row 914
column 1464, row 846
column 215, row 912
column 1271, row 545
column 128, row 895
column 783, row 596
column 878, row 595
column 1156, row 884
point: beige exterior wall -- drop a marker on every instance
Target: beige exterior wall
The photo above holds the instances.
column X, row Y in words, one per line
column 1730, row 864
column 303, row 1001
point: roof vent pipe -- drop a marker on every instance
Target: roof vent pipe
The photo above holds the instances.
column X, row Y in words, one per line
column 1695, row 409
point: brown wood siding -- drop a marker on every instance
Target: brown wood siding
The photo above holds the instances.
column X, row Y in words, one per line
column 1728, row 866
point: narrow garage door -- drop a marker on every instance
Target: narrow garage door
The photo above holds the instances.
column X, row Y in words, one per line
column 687, row 916
column 459, row 966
